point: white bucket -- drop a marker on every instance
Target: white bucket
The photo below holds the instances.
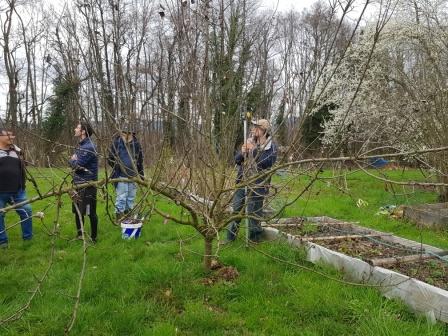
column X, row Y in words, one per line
column 131, row 229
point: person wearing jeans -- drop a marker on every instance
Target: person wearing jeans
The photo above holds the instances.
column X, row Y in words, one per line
column 126, row 159
column 125, row 197
column 254, row 209
column 12, row 186
column 24, row 212
column 256, row 156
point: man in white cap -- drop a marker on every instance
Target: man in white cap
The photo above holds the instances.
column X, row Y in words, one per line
column 126, row 160
column 257, row 155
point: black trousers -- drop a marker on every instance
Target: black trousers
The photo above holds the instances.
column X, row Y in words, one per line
column 84, row 203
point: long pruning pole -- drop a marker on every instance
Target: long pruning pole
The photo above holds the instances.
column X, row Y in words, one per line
column 247, row 118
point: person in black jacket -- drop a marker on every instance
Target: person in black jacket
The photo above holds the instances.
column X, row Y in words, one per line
column 12, row 186
column 257, row 155
column 85, row 169
column 126, row 160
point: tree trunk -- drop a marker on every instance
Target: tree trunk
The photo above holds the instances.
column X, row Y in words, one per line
column 208, row 250
column 10, row 66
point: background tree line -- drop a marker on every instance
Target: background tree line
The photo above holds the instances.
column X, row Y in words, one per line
column 186, row 72
column 173, row 68
column 332, row 81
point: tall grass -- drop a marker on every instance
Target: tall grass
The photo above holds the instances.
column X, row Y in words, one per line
column 154, row 285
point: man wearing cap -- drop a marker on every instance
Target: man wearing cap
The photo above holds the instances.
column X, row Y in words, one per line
column 85, row 169
column 257, row 155
column 12, row 186
column 126, row 160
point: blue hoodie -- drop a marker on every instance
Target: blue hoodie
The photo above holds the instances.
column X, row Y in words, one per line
column 126, row 160
column 85, row 167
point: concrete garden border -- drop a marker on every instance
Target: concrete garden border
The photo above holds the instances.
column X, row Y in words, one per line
column 421, row 297
column 430, row 215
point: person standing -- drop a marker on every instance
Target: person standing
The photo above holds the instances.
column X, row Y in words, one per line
column 257, row 155
column 12, row 186
column 126, row 159
column 84, row 163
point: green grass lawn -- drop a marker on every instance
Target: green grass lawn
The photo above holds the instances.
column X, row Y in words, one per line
column 154, row 285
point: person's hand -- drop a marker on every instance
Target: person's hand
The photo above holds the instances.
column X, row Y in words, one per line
column 74, row 157
column 247, row 147
column 73, row 195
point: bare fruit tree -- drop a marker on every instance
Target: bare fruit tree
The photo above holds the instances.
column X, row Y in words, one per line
column 339, row 91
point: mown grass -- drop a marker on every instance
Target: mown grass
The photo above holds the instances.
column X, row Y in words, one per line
column 329, row 197
column 153, row 286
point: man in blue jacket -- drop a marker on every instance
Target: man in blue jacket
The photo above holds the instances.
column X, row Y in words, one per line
column 85, row 169
column 126, row 160
column 257, row 155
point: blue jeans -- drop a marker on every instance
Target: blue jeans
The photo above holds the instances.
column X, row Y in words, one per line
column 126, row 192
column 254, row 209
column 23, row 211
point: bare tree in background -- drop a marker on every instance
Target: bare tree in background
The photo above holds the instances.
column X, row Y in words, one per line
column 185, row 73
column 9, row 45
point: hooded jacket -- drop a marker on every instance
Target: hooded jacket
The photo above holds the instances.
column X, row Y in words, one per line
column 85, row 167
column 264, row 157
column 126, row 159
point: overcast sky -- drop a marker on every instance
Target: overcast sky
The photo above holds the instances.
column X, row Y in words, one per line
column 299, row 5
column 284, row 5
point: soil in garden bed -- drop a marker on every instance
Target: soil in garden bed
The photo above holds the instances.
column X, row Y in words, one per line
column 308, row 229
column 433, row 271
column 368, row 248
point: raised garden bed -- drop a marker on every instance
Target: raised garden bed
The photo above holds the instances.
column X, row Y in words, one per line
column 429, row 215
column 309, row 229
column 401, row 268
column 301, row 227
column 433, row 271
column 347, row 238
column 368, row 249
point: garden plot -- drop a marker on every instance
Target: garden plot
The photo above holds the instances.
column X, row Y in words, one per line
column 370, row 249
column 433, row 272
column 430, row 215
column 309, row 231
column 400, row 267
column 377, row 248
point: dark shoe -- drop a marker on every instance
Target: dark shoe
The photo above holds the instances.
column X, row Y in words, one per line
column 119, row 216
column 77, row 238
column 256, row 237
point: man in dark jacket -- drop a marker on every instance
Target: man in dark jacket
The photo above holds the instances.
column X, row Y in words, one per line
column 257, row 155
column 85, row 169
column 12, row 186
column 126, row 160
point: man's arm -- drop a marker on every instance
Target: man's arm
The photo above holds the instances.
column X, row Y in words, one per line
column 72, row 161
column 83, row 157
column 239, row 158
column 266, row 159
column 112, row 155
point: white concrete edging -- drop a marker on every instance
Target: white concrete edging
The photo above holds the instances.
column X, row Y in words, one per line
column 421, row 297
